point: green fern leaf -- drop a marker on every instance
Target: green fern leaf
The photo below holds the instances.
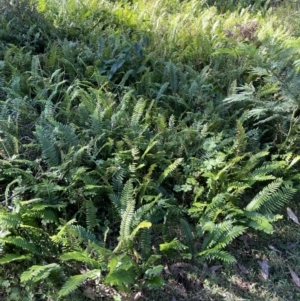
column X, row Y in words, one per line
column 142, row 225
column 120, row 277
column 75, row 281
column 49, row 151
column 137, row 112
column 7, row 258
column 271, row 197
column 228, row 236
column 81, row 257
column 38, row 272
column 161, row 91
column 20, row 242
column 212, row 254
column 171, row 71
column 103, row 254
column 128, row 203
column 145, row 243
column 91, row 215
column 9, row 220
column 175, row 244
column 260, row 222
column 188, row 236
column 169, row 170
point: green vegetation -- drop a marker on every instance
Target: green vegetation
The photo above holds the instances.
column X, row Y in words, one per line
column 143, row 144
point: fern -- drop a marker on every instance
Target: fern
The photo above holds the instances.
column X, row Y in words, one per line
column 161, row 91
column 20, row 242
column 271, row 198
column 126, row 128
column 121, row 278
column 241, row 139
column 9, row 257
column 49, row 151
column 131, row 220
column 137, row 112
column 37, row 273
column 75, row 281
column 218, row 237
column 188, row 235
column 145, row 242
column 91, row 215
column 78, row 234
column 101, row 253
column 127, row 211
column 80, row 257
column 261, row 222
column 168, row 170
column 170, row 72
column 212, row 254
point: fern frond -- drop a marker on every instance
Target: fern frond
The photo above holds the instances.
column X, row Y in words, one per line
column 81, row 234
column 126, row 196
column 142, row 225
column 60, row 236
column 67, row 134
column 212, row 254
column 20, row 242
column 49, row 151
column 171, row 73
column 91, row 215
column 169, row 170
column 271, row 197
column 9, row 257
column 81, row 257
column 9, row 220
column 103, row 254
column 246, row 93
column 145, row 242
column 75, row 281
column 228, row 235
column 214, row 232
column 238, row 188
column 175, row 244
column 120, row 277
column 188, row 235
column 138, row 111
column 141, row 212
column 161, row 91
column 215, row 207
column 39, row 272
column 128, row 201
column 10, row 144
column 118, row 185
column 261, row 222
column 241, row 138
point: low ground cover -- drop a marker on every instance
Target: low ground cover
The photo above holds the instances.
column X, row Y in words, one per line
column 149, row 150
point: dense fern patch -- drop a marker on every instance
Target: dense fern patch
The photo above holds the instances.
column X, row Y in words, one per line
column 134, row 134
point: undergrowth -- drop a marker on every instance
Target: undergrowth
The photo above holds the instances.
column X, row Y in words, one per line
column 137, row 134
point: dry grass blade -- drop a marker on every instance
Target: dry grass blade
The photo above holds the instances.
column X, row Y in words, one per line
column 214, row 268
column 292, row 216
column 274, row 249
column 89, row 292
column 243, row 269
column 295, row 277
column 244, row 238
column 138, row 295
column 291, row 245
column 264, row 268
